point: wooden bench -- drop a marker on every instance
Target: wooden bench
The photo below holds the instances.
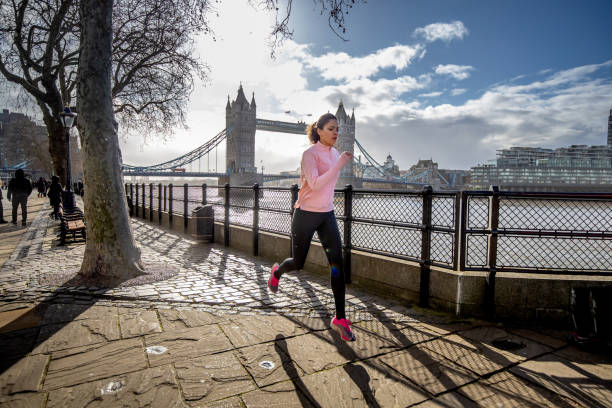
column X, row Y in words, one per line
column 72, row 223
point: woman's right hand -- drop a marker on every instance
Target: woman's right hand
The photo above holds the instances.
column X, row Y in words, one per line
column 346, row 157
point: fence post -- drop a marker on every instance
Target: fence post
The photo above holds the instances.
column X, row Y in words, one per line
column 256, row 219
column 150, row 201
column 226, row 227
column 490, row 281
column 204, row 194
column 144, row 215
column 126, row 189
column 185, row 205
column 159, row 203
column 457, row 230
column 165, row 197
column 463, row 228
column 425, row 247
column 136, row 202
column 132, row 198
column 170, row 189
column 348, row 220
column 294, row 198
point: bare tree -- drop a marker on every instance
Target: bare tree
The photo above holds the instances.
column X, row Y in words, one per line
column 152, row 53
column 334, row 10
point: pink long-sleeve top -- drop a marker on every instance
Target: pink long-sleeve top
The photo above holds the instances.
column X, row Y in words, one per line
column 321, row 167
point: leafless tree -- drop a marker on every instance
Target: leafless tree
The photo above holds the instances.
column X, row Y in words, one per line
column 152, row 53
column 333, row 10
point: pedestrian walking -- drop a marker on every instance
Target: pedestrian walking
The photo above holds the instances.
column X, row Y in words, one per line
column 41, row 187
column 314, row 211
column 19, row 190
column 55, row 196
column 2, row 220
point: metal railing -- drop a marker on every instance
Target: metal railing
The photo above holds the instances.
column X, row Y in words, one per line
column 489, row 231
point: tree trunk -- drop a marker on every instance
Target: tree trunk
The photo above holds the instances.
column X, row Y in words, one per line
column 56, row 135
column 110, row 252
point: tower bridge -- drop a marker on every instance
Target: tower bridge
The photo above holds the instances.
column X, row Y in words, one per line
column 241, row 123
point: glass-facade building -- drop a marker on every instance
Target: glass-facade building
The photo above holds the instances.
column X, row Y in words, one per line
column 573, row 168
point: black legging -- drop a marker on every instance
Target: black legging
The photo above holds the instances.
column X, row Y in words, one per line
column 303, row 227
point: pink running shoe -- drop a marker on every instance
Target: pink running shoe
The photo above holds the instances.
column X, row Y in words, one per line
column 343, row 326
column 273, row 282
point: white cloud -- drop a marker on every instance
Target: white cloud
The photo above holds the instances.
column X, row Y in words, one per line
column 341, row 66
column 442, row 31
column 459, row 72
column 431, row 94
column 458, row 91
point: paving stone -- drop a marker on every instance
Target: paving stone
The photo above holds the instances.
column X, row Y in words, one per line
column 183, row 319
column 25, row 375
column 21, row 318
column 586, row 383
column 575, row 354
column 448, row 400
column 489, row 335
column 333, row 388
column 444, row 327
column 153, row 387
column 507, row 390
column 77, row 333
column 474, row 355
column 60, row 313
column 551, row 339
column 268, row 364
column 429, row 370
column 311, row 323
column 138, row 323
column 28, row 400
column 89, row 363
column 185, row 344
column 249, row 330
column 15, row 345
column 283, row 395
column 231, row 402
column 324, row 350
column 400, row 334
column 359, row 385
column 209, row 378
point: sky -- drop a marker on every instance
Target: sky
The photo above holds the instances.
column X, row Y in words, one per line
column 447, row 80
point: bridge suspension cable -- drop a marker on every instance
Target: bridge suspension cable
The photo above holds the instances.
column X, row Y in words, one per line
column 184, row 159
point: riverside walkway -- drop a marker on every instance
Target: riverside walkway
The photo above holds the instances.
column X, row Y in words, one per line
column 203, row 331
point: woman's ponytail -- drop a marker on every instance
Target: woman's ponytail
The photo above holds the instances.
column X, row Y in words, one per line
column 312, row 133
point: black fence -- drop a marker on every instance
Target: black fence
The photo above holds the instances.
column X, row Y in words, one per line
column 488, row 231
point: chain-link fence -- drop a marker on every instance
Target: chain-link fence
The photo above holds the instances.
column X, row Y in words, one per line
column 538, row 232
column 501, row 231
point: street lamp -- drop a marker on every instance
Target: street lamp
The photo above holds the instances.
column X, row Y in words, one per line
column 68, row 118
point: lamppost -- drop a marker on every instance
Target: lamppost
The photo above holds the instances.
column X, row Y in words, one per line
column 68, row 195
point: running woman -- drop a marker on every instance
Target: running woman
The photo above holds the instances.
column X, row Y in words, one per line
column 314, row 211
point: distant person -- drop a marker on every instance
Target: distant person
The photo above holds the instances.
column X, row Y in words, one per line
column 41, row 186
column 2, row 220
column 19, row 190
column 80, row 188
column 55, row 196
column 314, row 211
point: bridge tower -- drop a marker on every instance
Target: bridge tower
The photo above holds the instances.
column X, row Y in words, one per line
column 346, row 143
column 240, row 121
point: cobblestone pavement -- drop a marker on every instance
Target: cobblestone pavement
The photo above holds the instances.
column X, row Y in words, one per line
column 210, row 335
